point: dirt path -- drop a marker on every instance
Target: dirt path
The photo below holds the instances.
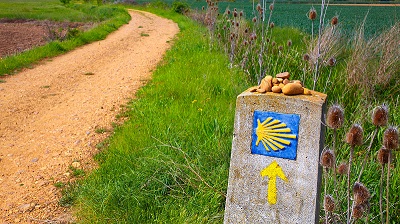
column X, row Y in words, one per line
column 51, row 115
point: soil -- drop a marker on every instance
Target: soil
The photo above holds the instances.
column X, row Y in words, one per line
column 54, row 114
column 18, row 35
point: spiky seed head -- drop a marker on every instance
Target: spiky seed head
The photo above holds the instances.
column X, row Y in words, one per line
column 233, row 22
column 306, row 57
column 329, row 203
column 342, row 168
column 245, row 43
column 334, row 21
column 234, row 9
column 202, row 8
column 289, row 43
column 273, row 43
column 358, row 211
column 331, row 62
column 228, row 12
column 312, row 14
column 237, row 24
column 335, row 116
column 391, row 138
column 354, row 136
column 241, row 13
column 271, row 7
column 254, row 19
column 380, row 115
column 272, row 25
column 383, row 155
column 267, row 40
column 360, row 193
column 280, row 48
column 246, row 30
column 235, row 14
column 327, row 159
column 258, row 7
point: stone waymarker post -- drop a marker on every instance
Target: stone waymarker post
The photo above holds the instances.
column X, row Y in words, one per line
column 274, row 174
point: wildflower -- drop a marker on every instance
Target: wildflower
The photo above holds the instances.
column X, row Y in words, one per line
column 289, row 43
column 329, row 203
column 335, row 116
column 331, row 62
column 327, row 158
column 334, row 21
column 342, row 168
column 391, row 138
column 380, row 116
column 355, row 135
column 272, row 25
column 312, row 14
column 358, row 211
column 306, row 57
column 361, row 193
column 383, row 155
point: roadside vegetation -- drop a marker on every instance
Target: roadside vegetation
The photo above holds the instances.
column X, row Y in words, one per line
column 169, row 162
column 105, row 19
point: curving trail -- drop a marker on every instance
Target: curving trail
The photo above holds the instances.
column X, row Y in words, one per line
column 51, row 115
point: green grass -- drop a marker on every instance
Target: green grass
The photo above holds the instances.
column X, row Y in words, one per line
column 108, row 18
column 286, row 14
column 185, row 112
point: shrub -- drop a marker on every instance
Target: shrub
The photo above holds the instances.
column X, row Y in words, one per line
column 180, row 7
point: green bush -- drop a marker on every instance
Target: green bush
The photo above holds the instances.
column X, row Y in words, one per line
column 65, row 2
column 180, row 7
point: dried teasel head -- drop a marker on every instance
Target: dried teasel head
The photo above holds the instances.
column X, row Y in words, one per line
column 334, row 21
column 259, row 9
column 358, row 211
column 306, row 57
column 254, row 19
column 343, row 168
column 240, row 13
column 289, row 43
column 380, row 115
column 235, row 14
column 272, row 25
column 354, row 136
column 360, row 193
column 335, row 116
column 329, row 203
column 327, row 159
column 312, row 14
column 271, row 7
column 280, row 48
column 383, row 155
column 228, row 12
column 331, row 62
column 391, row 138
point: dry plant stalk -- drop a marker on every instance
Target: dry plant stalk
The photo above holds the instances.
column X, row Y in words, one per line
column 374, row 62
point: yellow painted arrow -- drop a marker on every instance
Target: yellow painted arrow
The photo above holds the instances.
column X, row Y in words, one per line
column 272, row 171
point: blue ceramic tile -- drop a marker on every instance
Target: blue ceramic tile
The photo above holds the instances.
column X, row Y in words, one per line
column 275, row 134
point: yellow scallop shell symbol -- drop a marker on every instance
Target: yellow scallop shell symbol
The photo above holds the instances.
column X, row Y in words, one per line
column 272, row 134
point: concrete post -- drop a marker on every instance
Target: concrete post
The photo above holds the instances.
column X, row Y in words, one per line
column 274, row 174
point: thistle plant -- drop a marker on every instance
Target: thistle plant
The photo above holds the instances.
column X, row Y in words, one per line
column 390, row 142
column 354, row 137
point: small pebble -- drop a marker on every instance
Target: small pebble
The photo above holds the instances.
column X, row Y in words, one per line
column 293, row 89
column 283, row 75
column 276, row 89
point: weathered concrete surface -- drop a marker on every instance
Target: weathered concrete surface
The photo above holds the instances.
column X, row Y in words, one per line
column 298, row 198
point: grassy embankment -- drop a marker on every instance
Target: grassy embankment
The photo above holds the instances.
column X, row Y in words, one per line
column 107, row 18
